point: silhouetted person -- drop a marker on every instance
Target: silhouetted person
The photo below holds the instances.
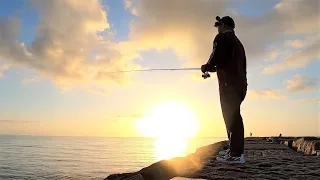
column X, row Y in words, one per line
column 228, row 59
column 250, row 134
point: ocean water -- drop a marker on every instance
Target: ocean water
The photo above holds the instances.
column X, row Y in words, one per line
column 85, row 158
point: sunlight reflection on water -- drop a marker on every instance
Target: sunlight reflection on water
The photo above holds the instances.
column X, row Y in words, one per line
column 166, row 148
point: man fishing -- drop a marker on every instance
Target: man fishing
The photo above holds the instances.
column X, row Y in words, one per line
column 228, row 59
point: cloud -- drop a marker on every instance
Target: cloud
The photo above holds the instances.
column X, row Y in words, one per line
column 128, row 4
column 181, row 25
column 11, row 49
column 309, row 100
column 276, row 53
column 71, row 45
column 98, row 90
column 187, row 26
column 30, row 80
column 298, row 59
column 302, row 84
column 293, row 22
column 294, row 43
column 68, row 47
column 15, row 121
column 3, row 67
column 265, row 94
column 132, row 116
column 125, row 118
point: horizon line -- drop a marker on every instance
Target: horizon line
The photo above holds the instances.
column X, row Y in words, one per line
column 145, row 137
column 101, row 136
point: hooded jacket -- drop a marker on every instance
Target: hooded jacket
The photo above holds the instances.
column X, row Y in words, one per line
column 229, row 58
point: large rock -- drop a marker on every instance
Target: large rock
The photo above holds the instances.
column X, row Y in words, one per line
column 186, row 166
column 307, row 145
column 203, row 153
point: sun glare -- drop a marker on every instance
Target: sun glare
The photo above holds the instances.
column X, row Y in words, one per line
column 171, row 123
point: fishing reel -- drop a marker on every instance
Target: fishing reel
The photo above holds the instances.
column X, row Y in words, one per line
column 205, row 75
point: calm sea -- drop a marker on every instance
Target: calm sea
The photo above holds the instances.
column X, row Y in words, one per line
column 77, row 158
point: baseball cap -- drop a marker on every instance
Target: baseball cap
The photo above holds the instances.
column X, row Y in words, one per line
column 225, row 20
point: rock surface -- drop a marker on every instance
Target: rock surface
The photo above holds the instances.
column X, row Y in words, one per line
column 264, row 160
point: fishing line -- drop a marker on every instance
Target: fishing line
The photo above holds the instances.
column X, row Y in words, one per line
column 204, row 75
column 161, row 69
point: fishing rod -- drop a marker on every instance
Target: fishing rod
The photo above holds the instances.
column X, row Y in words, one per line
column 163, row 69
column 205, row 75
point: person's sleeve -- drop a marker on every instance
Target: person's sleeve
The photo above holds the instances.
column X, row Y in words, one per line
column 221, row 49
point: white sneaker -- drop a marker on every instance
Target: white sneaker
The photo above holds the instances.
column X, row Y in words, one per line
column 135, row 177
column 232, row 159
column 224, row 152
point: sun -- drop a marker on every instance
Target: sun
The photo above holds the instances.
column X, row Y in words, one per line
column 171, row 123
column 168, row 119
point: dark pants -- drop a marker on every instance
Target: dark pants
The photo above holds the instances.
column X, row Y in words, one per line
column 231, row 98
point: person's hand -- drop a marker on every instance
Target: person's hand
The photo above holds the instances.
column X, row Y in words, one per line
column 214, row 69
column 203, row 68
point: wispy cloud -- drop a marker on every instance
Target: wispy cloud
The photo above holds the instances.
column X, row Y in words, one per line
column 294, row 43
column 30, row 80
column 131, row 116
column 300, row 83
column 277, row 53
column 298, row 59
column 266, row 94
column 129, row 6
column 309, row 101
column 124, row 118
column 16, row 121
column 3, row 67
column 99, row 90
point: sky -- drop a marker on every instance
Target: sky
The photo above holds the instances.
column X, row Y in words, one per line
column 54, row 56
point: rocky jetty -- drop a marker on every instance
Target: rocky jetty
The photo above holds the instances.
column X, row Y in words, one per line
column 266, row 158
